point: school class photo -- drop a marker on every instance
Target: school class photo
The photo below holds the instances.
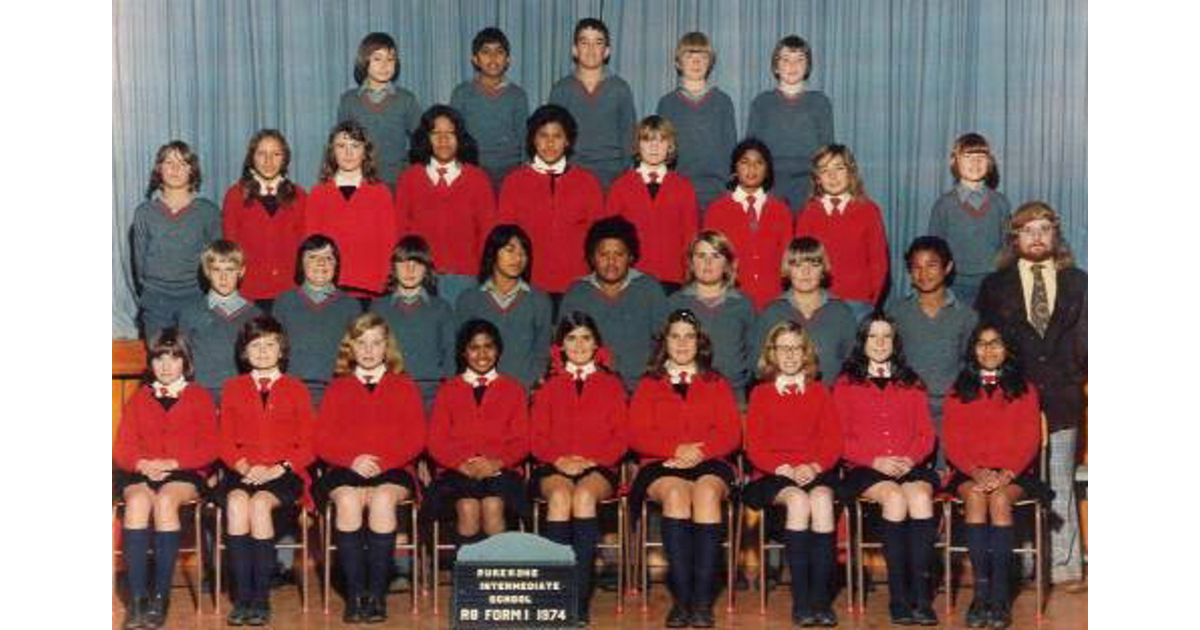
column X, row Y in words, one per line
column 767, row 314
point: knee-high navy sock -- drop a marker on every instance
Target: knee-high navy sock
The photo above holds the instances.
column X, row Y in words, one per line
column 135, row 548
column 264, row 566
column 822, row 561
column 981, row 570
column 558, row 532
column 677, row 543
column 380, row 549
column 241, row 559
column 921, row 535
column 166, row 550
column 796, row 546
column 1002, row 547
column 895, row 554
column 707, row 540
column 350, row 560
column 585, row 536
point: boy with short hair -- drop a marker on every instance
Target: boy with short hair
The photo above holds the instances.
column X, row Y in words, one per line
column 600, row 102
column 494, row 108
column 934, row 324
column 215, row 319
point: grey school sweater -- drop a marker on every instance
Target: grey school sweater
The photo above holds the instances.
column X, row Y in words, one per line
column 705, row 134
column 314, row 334
column 974, row 241
column 425, row 331
column 497, row 122
column 389, row 126
column 627, row 324
column 934, row 346
column 525, row 326
column 214, row 339
column 730, row 325
column 832, row 329
column 793, row 128
column 167, row 247
column 607, row 121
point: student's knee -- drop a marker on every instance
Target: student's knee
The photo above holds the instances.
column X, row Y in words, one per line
column 558, row 503
column 166, row 506
column 708, row 494
column 583, row 501
column 677, row 497
column 796, row 502
column 237, row 509
column 919, row 499
column 892, row 500
column 493, row 508
column 137, row 508
column 999, row 507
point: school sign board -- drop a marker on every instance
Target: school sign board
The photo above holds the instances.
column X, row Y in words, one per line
column 514, row 580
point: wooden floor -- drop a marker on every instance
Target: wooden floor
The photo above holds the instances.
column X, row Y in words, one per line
column 1063, row 611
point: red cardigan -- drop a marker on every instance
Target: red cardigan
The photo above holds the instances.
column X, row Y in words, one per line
column 363, row 227
column 280, row 430
column 186, row 433
column 894, row 421
column 454, row 219
column 793, row 429
column 665, row 224
column 461, row 429
column 592, row 425
column 557, row 222
column 388, row 422
column 759, row 252
column 992, row 433
column 269, row 242
column 855, row 243
column 660, row 420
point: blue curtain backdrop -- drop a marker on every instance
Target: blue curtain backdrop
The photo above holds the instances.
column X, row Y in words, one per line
column 906, row 77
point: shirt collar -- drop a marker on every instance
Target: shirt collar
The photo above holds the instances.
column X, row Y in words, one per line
column 273, row 374
column 453, row 170
column 470, row 377
column 873, row 370
column 581, row 372
column 173, row 390
column 318, row 294
column 1026, row 266
column 231, row 303
column 695, row 96
column 387, row 89
column 490, row 287
column 268, row 187
column 967, row 195
column 676, row 373
column 827, row 203
column 783, row 380
column 557, row 168
column 760, row 198
column 421, row 295
column 343, row 178
column 644, row 170
column 789, row 90
column 376, row 373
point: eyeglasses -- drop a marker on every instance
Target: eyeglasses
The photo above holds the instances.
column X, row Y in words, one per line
column 1036, row 230
column 991, row 343
column 781, row 349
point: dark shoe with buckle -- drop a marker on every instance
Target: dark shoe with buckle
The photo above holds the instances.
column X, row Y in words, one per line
column 679, row 617
column 702, row 616
column 923, row 615
column 135, row 614
column 825, row 617
column 156, row 611
column 900, row 613
column 979, row 614
column 239, row 614
column 1001, row 616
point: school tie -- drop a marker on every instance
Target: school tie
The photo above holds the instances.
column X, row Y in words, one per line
column 553, row 180
column 264, row 389
column 654, row 185
column 880, row 372
column 681, row 387
column 1039, row 302
column 270, row 203
column 791, row 389
column 163, row 392
column 441, row 181
column 480, row 389
column 835, row 203
column 750, row 200
column 989, row 379
column 369, row 382
column 578, row 384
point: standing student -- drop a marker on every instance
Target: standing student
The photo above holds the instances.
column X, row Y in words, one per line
column 170, row 230
column 493, row 107
column 888, row 440
column 934, row 322
column 726, row 313
column 369, row 433
column 792, row 119
column 266, row 439
column 756, row 222
column 446, row 199
column 264, row 212
column 352, row 206
column 973, row 216
column 479, row 435
column 683, row 425
column 578, row 431
column 659, row 202
column 992, row 434
column 826, row 320
column 843, row 217
column 1040, row 297
column 422, row 322
column 794, row 441
column 522, row 313
column 702, row 114
column 388, row 112
column 626, row 304
column 553, row 201
column 213, row 321
column 165, row 444
column 315, row 313
column 600, row 101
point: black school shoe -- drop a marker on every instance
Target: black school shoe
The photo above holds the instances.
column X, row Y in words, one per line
column 900, row 613
column 825, row 617
column 239, row 614
column 679, row 617
column 1001, row 616
column 923, row 615
column 979, row 614
column 803, row 617
column 702, row 617
column 259, row 613
column 135, row 614
column 353, row 611
column 156, row 611
column 375, row 610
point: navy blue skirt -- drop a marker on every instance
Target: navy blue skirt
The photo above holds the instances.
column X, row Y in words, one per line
column 653, row 472
column 122, row 479
column 1033, row 487
column 451, row 486
column 287, row 487
column 859, row 479
column 335, row 477
column 760, row 493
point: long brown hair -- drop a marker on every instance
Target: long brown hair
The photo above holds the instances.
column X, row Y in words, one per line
column 345, row 364
column 250, row 186
column 356, row 131
column 1029, row 212
column 657, row 367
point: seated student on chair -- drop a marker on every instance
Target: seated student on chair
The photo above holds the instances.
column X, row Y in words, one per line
column 266, row 445
column 992, row 433
column 794, row 440
column 165, row 442
column 370, row 429
column 578, row 437
column 684, row 424
column 479, row 435
column 887, row 442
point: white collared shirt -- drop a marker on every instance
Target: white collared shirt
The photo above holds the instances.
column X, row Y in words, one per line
column 783, row 380
column 556, row 168
column 348, row 178
column 581, row 372
column 503, row 300
column 740, row 195
column 873, row 369
column 173, row 390
column 471, row 377
column 273, row 374
column 790, row 90
column 676, row 372
column 1049, row 274
column 453, row 170
column 269, row 187
column 231, row 303
column 375, row 374
column 644, row 170
column 827, row 203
